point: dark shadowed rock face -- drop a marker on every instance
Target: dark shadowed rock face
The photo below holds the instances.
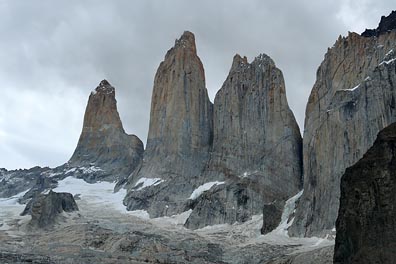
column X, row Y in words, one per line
column 103, row 141
column 386, row 24
column 180, row 133
column 45, row 208
column 366, row 223
column 256, row 145
column 272, row 215
column 352, row 100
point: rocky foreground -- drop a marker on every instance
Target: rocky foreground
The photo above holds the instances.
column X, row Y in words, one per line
column 102, row 231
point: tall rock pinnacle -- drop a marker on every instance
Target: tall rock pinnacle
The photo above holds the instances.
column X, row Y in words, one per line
column 353, row 98
column 256, row 145
column 103, row 142
column 180, row 131
column 181, row 113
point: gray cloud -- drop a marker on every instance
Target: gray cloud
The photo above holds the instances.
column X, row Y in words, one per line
column 53, row 53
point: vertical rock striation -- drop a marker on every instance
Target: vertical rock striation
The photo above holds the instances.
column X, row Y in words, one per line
column 352, row 100
column 180, row 132
column 103, row 142
column 366, row 224
column 256, row 145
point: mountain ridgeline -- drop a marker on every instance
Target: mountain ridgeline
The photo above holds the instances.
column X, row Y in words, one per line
column 232, row 149
column 223, row 162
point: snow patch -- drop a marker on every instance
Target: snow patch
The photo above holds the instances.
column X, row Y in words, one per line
column 387, row 62
column 96, row 194
column 71, row 170
column 90, row 169
column 174, row 220
column 289, row 208
column 203, row 188
column 10, row 213
column 352, row 89
column 147, row 182
column 389, row 53
column 140, row 213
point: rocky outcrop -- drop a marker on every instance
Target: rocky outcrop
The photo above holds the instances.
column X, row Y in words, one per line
column 180, row 133
column 13, row 182
column 46, row 208
column 316, row 256
column 387, row 23
column 352, row 100
column 366, row 223
column 255, row 132
column 272, row 216
column 103, row 142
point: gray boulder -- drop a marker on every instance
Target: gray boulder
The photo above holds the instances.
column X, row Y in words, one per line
column 46, row 208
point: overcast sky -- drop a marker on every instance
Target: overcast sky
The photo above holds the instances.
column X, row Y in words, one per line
column 53, row 53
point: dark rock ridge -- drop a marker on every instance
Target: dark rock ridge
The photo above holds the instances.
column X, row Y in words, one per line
column 180, row 133
column 13, row 182
column 366, row 223
column 255, row 132
column 103, row 141
column 352, row 100
column 386, row 24
column 46, row 208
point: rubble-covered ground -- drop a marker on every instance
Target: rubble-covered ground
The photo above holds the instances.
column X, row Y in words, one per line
column 102, row 231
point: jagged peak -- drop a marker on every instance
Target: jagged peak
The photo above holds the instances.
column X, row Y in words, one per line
column 263, row 59
column 259, row 61
column 387, row 23
column 104, row 87
column 186, row 41
column 237, row 61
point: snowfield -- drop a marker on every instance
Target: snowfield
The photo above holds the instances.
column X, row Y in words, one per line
column 99, row 203
column 147, row 182
column 203, row 188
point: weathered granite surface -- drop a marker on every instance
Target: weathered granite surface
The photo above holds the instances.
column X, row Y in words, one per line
column 256, row 145
column 180, row 133
column 366, row 223
column 241, row 144
column 352, row 100
column 103, row 141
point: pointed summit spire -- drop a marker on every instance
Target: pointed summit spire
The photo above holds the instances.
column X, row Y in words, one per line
column 186, row 41
column 103, row 141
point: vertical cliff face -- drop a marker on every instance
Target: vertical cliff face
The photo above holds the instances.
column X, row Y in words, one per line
column 181, row 113
column 366, row 224
column 103, row 142
column 256, row 146
column 180, row 132
column 254, row 128
column 353, row 98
